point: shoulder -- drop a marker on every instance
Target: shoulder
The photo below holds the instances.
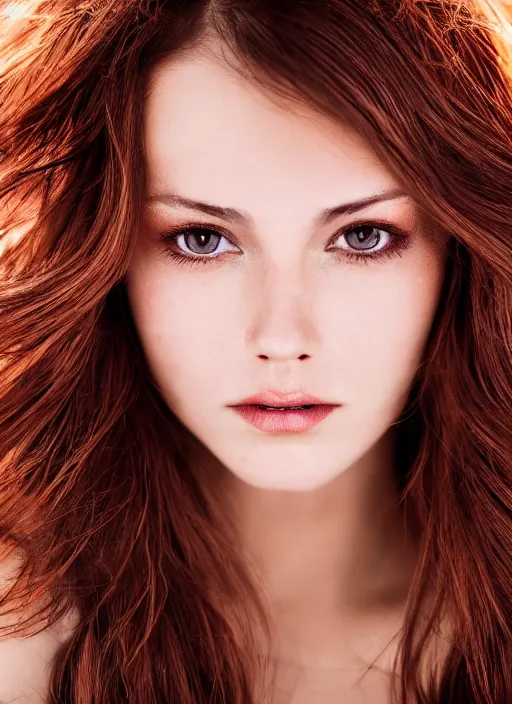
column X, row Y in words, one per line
column 25, row 668
column 25, row 662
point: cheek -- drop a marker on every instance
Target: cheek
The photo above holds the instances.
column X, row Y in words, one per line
column 188, row 332
column 380, row 337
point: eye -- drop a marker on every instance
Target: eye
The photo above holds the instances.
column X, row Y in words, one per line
column 201, row 240
column 370, row 241
column 364, row 238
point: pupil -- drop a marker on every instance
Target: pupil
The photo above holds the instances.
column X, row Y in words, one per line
column 361, row 234
column 202, row 241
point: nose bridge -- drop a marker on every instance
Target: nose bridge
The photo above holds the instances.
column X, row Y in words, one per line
column 281, row 325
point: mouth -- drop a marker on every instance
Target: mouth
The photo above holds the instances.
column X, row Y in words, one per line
column 282, row 408
column 273, row 411
column 284, row 419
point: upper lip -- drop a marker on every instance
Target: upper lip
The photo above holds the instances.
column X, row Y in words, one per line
column 270, row 397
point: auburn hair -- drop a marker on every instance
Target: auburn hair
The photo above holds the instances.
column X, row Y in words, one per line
column 97, row 491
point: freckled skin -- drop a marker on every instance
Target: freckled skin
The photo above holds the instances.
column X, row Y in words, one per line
column 215, row 334
column 280, row 309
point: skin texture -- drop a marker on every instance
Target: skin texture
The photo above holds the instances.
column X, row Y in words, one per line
column 277, row 309
column 25, row 662
column 215, row 334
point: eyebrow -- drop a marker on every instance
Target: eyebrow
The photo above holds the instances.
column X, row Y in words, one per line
column 239, row 216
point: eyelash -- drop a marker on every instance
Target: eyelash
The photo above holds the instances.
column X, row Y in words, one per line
column 400, row 242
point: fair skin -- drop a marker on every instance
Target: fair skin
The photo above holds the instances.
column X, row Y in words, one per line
column 284, row 307
column 273, row 307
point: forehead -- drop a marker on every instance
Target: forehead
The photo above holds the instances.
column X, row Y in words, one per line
column 209, row 133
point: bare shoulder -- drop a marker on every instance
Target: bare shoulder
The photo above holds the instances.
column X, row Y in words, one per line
column 25, row 663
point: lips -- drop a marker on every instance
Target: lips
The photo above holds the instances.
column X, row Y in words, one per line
column 270, row 399
column 274, row 412
column 283, row 408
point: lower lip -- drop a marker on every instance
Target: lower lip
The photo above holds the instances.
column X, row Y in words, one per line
column 284, row 421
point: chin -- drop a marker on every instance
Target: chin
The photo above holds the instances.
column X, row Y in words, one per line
column 303, row 479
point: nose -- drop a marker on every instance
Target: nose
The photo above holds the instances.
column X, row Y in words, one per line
column 282, row 327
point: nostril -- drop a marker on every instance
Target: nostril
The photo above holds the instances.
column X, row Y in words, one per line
column 302, row 356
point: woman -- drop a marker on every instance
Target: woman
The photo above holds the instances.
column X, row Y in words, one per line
column 255, row 333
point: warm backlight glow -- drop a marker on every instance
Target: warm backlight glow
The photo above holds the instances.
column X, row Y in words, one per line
column 14, row 11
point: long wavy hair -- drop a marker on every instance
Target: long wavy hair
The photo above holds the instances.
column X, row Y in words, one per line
column 98, row 493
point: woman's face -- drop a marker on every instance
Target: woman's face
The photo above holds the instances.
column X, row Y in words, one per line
column 271, row 296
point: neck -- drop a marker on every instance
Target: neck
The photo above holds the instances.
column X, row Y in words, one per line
column 328, row 558
column 338, row 546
